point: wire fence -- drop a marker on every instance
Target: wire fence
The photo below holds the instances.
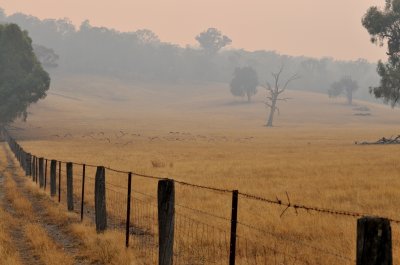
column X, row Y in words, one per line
column 208, row 227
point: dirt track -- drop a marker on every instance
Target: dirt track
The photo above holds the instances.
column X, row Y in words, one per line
column 56, row 231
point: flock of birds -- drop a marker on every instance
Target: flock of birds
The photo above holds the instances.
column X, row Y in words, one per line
column 124, row 138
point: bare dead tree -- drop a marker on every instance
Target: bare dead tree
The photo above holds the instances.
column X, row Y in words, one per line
column 274, row 93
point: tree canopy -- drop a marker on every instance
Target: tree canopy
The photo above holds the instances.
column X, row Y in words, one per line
column 384, row 27
column 345, row 86
column 22, row 78
column 212, row 40
column 244, row 82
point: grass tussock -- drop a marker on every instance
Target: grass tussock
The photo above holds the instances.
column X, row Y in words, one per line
column 106, row 247
column 157, row 163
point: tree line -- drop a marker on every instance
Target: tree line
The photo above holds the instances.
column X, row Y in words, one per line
column 140, row 55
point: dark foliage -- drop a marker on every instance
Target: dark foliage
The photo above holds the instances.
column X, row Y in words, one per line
column 384, row 27
column 22, row 79
column 244, row 82
column 345, row 86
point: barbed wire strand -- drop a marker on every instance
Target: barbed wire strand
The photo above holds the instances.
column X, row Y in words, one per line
column 309, row 208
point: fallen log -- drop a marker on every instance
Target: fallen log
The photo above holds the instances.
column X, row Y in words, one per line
column 383, row 141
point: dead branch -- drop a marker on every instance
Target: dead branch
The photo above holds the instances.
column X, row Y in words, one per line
column 383, row 141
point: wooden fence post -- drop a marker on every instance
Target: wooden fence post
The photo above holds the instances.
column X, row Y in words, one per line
column 28, row 164
column 128, row 210
column 37, row 170
column 83, row 189
column 18, row 154
column 41, row 173
column 45, row 175
column 232, row 252
column 100, row 200
column 166, row 219
column 59, row 181
column 53, row 172
column 33, row 167
column 70, row 187
column 374, row 241
column 23, row 159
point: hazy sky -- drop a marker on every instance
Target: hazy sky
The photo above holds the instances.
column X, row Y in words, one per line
column 296, row 27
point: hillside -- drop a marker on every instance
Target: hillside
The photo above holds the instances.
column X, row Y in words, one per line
column 81, row 99
column 201, row 135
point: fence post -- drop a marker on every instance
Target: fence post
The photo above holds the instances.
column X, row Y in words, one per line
column 59, row 181
column 34, row 168
column 37, row 170
column 53, row 172
column 232, row 251
column 70, row 187
column 374, row 241
column 100, row 200
column 166, row 219
column 128, row 209
column 45, row 175
column 41, row 173
column 18, row 154
column 33, row 165
column 83, row 189
column 23, row 159
column 28, row 164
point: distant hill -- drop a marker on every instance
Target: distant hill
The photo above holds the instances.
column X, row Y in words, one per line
column 97, row 101
column 141, row 57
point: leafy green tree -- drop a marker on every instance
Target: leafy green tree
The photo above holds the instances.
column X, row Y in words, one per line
column 345, row 86
column 384, row 27
column 22, row 78
column 244, row 82
column 212, row 40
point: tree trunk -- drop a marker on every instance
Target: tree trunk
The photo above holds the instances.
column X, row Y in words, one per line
column 271, row 112
column 248, row 97
column 350, row 97
column 2, row 138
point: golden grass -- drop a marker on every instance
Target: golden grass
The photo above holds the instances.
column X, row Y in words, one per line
column 45, row 247
column 204, row 139
column 49, row 252
column 106, row 247
column 20, row 203
column 8, row 252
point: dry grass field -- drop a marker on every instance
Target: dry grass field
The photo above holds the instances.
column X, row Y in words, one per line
column 200, row 134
